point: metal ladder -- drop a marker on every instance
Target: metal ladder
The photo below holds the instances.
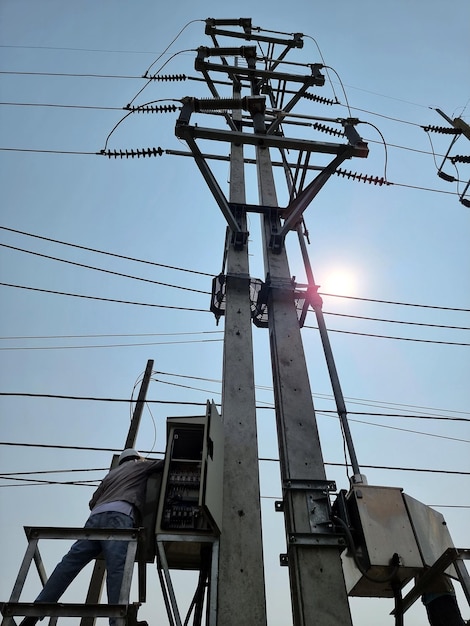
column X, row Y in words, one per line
column 124, row 612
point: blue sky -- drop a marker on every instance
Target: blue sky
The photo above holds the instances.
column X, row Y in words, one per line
column 406, row 242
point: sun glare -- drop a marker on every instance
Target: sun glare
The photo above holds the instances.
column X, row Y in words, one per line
column 340, row 282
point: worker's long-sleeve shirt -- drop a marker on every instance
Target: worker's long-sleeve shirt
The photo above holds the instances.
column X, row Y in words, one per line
column 126, row 483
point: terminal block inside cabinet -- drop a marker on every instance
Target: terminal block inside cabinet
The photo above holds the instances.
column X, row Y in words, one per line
column 190, row 508
column 181, row 505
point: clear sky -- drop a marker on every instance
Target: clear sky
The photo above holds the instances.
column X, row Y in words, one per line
column 67, row 71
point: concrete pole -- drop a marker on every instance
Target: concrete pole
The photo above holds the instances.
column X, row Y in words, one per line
column 241, row 589
column 139, row 407
column 318, row 591
column 97, row 577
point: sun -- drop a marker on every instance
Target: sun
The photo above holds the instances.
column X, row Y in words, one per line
column 339, row 282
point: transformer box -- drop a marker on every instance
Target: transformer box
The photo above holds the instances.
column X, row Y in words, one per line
column 384, row 547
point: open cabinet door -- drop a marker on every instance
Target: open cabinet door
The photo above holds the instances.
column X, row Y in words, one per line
column 212, row 490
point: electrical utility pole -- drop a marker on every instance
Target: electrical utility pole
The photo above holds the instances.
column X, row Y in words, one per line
column 97, row 577
column 317, row 586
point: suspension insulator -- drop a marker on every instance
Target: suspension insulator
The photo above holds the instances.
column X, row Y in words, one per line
column 166, row 77
column 328, row 129
column 459, row 158
column 371, row 180
column 443, row 130
column 130, row 154
column 164, row 108
column 320, row 99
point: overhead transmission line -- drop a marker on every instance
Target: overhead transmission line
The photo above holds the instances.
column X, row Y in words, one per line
column 155, row 282
column 425, row 415
column 101, row 299
column 200, row 273
column 113, row 254
column 180, row 308
column 266, row 459
column 99, row 269
column 154, row 151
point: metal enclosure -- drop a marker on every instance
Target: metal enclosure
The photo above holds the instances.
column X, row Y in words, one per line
column 382, row 528
column 190, row 504
column 431, row 532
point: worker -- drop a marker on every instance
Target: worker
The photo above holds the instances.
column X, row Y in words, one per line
column 116, row 503
column 441, row 603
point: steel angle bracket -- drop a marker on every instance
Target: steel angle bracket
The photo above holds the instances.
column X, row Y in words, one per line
column 294, row 212
column 306, row 484
column 324, row 539
column 355, row 148
column 322, row 531
column 239, row 236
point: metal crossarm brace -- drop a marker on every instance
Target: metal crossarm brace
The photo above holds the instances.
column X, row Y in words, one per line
column 267, row 141
column 204, row 52
column 288, row 107
column 357, row 147
column 295, row 42
column 249, row 73
column 450, row 556
column 215, row 93
column 296, row 208
column 214, row 187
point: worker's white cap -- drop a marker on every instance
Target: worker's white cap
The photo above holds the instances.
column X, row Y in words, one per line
column 127, row 455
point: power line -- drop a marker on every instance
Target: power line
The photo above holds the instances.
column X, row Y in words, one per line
column 62, row 106
column 179, row 308
column 181, row 269
column 101, row 153
column 100, row 299
column 99, row 269
column 114, row 345
column 42, row 151
column 94, row 336
column 413, row 304
column 386, row 467
column 76, row 49
column 113, row 254
column 318, row 411
column 94, row 398
column 155, row 282
column 109, row 108
column 407, row 430
column 379, row 319
column 377, row 336
column 68, row 74
column 275, row 460
column 350, row 399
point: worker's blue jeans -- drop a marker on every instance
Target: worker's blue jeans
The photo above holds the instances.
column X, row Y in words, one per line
column 84, row 551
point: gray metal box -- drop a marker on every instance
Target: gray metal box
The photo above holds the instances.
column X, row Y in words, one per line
column 431, row 532
column 190, row 507
column 381, row 529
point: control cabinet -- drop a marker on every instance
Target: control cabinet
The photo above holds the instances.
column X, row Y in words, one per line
column 381, row 528
column 190, row 507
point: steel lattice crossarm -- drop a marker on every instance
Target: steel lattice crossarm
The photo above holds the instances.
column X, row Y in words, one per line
column 273, row 94
column 457, row 128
